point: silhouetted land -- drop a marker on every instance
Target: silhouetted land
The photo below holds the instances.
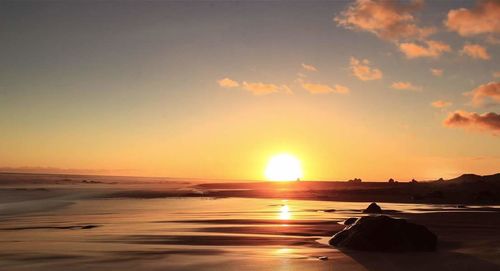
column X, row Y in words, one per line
column 466, row 189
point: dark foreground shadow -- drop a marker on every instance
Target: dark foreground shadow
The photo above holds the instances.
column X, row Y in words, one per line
column 439, row 260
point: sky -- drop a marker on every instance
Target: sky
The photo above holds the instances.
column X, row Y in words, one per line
column 367, row 89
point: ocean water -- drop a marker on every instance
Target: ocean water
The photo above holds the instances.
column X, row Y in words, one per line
column 76, row 231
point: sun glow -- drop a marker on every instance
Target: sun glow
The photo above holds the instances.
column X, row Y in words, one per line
column 283, row 167
column 285, row 213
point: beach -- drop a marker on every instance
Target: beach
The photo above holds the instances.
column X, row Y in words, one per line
column 104, row 225
column 344, row 135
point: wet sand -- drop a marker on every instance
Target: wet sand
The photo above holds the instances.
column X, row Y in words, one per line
column 81, row 227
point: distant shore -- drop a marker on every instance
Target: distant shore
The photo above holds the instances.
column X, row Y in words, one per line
column 463, row 190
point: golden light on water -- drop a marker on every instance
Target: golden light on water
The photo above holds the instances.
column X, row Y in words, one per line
column 285, row 213
column 285, row 250
column 283, row 167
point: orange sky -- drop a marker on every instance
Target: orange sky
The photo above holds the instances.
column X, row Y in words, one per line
column 368, row 89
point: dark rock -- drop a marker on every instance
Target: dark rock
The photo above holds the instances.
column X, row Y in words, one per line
column 350, row 220
column 469, row 178
column 373, row 208
column 355, row 180
column 385, row 234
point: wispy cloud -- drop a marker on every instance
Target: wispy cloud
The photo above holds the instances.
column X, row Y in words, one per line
column 487, row 122
column 490, row 90
column 389, row 20
column 432, row 49
column 441, row 104
column 259, row 88
column 308, row 67
column 405, row 86
column 491, row 39
column 256, row 88
column 315, row 88
column 482, row 19
column 227, row 83
column 437, row 72
column 475, row 51
column 362, row 70
column 301, row 75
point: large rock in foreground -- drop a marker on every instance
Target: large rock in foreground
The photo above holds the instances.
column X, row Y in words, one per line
column 383, row 233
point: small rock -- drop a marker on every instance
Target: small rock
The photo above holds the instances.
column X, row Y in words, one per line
column 373, row 208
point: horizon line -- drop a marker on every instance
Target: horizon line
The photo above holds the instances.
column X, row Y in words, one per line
column 220, row 179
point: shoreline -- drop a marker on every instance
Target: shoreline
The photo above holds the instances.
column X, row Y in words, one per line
column 98, row 232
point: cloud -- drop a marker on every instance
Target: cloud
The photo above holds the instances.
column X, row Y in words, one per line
column 310, row 68
column 487, row 122
column 285, row 89
column 405, row 86
column 323, row 89
column 490, row 90
column 482, row 19
column 491, row 39
column 260, row 89
column 256, row 88
column 301, row 75
column 475, row 51
column 496, row 74
column 432, row 49
column 362, row 70
column 441, row 104
column 227, row 83
column 388, row 20
column 437, row 72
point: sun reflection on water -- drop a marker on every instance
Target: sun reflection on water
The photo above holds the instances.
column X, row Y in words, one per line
column 284, row 251
column 285, row 212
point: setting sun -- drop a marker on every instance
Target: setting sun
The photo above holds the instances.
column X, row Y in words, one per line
column 283, row 167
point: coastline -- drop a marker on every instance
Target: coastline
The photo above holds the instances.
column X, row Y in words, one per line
column 155, row 226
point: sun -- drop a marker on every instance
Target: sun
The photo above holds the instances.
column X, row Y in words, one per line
column 283, row 167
